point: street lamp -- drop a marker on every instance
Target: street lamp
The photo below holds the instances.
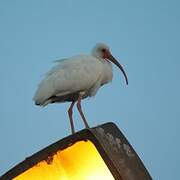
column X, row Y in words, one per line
column 100, row 153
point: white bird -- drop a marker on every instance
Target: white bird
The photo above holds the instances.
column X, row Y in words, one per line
column 76, row 78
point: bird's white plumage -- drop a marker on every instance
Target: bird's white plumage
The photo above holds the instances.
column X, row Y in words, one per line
column 79, row 73
column 76, row 78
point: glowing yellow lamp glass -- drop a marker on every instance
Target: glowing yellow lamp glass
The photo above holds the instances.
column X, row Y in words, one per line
column 81, row 161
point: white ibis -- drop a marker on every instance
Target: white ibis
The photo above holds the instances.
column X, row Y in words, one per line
column 76, row 78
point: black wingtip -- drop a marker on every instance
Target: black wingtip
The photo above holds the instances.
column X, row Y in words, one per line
column 37, row 103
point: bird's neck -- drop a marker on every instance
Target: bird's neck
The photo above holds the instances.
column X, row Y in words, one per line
column 107, row 71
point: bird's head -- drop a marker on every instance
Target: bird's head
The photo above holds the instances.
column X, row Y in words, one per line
column 102, row 51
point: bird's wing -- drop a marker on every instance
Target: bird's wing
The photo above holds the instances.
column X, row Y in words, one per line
column 55, row 68
column 70, row 75
column 60, row 60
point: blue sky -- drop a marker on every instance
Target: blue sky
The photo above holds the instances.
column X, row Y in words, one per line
column 143, row 35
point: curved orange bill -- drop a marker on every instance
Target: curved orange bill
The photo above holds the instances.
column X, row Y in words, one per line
column 113, row 60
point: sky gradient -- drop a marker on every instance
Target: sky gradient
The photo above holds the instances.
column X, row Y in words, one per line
column 143, row 36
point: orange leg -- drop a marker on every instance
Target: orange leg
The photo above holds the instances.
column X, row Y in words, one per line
column 80, row 111
column 70, row 113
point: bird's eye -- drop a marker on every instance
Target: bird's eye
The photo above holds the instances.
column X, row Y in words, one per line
column 103, row 50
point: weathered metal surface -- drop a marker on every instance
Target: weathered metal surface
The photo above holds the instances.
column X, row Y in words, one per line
column 118, row 154
column 121, row 153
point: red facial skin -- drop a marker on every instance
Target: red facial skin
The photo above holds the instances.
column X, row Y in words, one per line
column 108, row 56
